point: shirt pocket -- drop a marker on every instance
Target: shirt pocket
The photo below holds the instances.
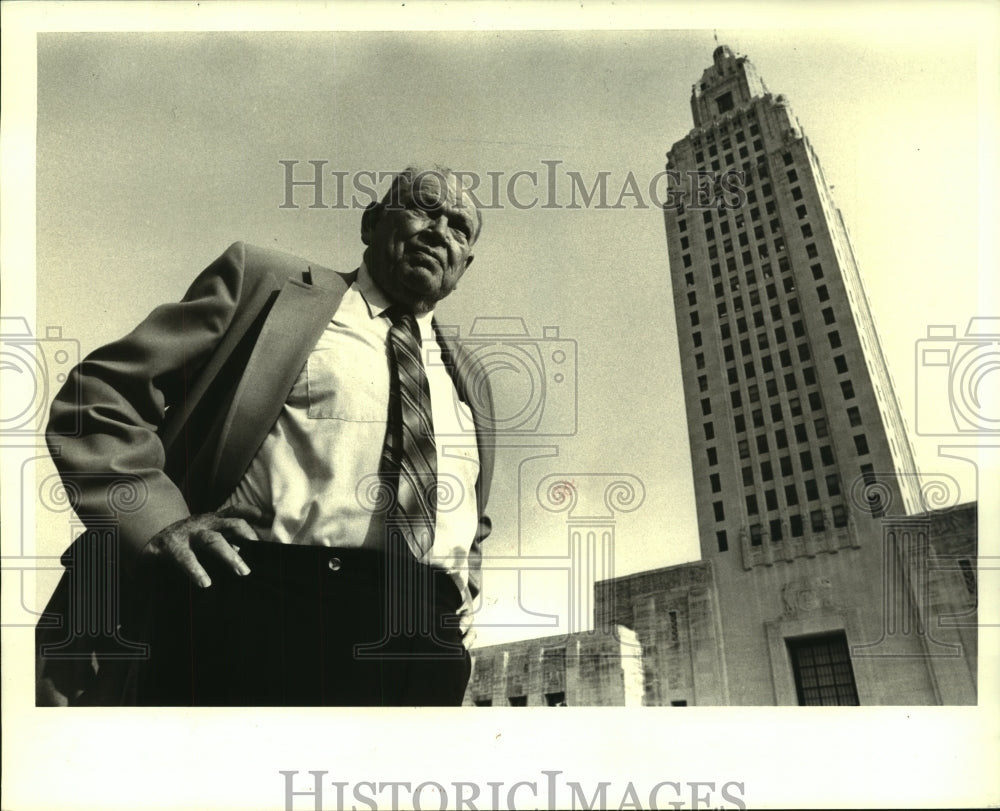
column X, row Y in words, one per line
column 341, row 387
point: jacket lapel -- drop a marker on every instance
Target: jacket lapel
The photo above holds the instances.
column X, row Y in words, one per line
column 300, row 314
column 473, row 389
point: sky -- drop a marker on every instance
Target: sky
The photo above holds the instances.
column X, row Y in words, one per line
column 154, row 151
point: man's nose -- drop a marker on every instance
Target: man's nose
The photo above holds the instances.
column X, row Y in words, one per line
column 439, row 226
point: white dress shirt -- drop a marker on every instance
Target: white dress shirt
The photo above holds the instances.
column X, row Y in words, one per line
column 318, row 467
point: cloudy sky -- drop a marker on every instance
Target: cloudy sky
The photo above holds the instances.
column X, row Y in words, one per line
column 157, row 150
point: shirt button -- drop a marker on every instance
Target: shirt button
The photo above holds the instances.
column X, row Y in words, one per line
column 334, row 564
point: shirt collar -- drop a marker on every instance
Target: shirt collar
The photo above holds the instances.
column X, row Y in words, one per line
column 377, row 302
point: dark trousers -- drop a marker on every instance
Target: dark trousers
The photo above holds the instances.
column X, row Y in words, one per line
column 308, row 626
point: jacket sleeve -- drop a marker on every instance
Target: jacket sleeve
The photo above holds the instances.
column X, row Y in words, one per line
column 104, row 424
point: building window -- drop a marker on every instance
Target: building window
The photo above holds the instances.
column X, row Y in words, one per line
column 817, row 271
column 786, row 466
column 747, row 476
column 483, row 702
column 772, row 387
column 725, row 102
column 713, row 456
column 791, row 495
column 696, row 337
column 826, row 455
column 706, row 406
column 861, row 443
column 720, row 539
column 776, row 415
column 816, row 521
column 517, row 701
column 694, row 319
column 709, row 430
column 796, row 193
column 699, row 360
column 739, row 423
column 736, row 399
column 840, row 363
column 744, row 449
column 689, row 279
column 800, row 435
column 692, row 299
column 812, row 491
column 814, row 401
column 807, row 231
column 795, row 521
column 839, row 515
column 771, row 499
column 798, row 330
column 775, row 529
column 767, row 364
column 755, row 535
column 781, row 438
column 766, row 471
column 555, row 699
column 821, row 429
column 715, row 483
column 811, row 251
column 790, row 383
column 762, row 443
column 833, row 484
column 828, row 316
column 854, row 416
column 720, row 513
column 848, row 389
column 751, row 504
column 809, row 375
column 823, row 293
column 822, row 669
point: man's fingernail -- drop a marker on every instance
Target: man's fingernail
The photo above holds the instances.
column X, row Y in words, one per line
column 204, row 582
column 243, row 569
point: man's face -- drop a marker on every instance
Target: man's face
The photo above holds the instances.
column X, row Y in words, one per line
column 421, row 244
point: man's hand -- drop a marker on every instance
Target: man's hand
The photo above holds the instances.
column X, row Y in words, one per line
column 466, row 627
column 205, row 538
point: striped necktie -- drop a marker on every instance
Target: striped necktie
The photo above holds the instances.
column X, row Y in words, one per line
column 409, row 456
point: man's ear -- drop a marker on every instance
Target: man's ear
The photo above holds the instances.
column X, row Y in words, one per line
column 369, row 219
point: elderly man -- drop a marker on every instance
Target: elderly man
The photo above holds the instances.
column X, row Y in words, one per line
column 310, row 507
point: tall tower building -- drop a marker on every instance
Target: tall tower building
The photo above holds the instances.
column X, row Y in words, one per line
column 821, row 578
column 789, row 401
column 805, row 482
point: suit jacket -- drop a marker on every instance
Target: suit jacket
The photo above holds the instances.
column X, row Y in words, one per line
column 164, row 422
